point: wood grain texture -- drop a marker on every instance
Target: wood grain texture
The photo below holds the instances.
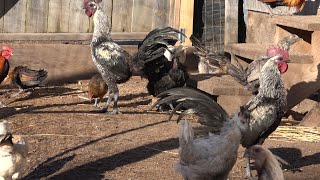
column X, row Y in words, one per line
column 142, row 15
column 161, row 12
column 174, row 17
column 122, row 16
column 303, row 80
column 15, row 19
column 78, row 20
column 186, row 18
column 231, row 22
column 37, row 16
column 64, row 62
column 1, row 15
column 58, row 16
column 118, row 36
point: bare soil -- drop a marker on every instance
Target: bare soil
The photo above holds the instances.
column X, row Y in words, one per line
column 69, row 141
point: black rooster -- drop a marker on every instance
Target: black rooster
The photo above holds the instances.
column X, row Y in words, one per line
column 115, row 64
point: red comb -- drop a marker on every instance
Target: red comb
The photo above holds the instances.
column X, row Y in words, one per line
column 276, row 50
column 6, row 47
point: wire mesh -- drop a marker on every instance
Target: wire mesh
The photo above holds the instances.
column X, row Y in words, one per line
column 213, row 17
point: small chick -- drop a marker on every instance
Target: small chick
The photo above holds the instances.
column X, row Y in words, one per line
column 97, row 88
column 13, row 156
column 265, row 162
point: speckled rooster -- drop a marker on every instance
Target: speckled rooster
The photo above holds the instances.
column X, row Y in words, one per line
column 114, row 63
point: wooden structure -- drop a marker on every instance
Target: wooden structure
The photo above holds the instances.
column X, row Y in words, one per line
column 302, row 78
column 67, row 16
column 55, row 34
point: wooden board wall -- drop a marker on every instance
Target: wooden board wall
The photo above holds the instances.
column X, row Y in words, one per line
column 67, row 16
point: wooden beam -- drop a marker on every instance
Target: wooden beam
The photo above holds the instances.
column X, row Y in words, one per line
column 186, row 18
column 67, row 36
column 308, row 23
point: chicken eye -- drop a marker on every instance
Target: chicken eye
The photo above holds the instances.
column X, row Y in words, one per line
column 256, row 150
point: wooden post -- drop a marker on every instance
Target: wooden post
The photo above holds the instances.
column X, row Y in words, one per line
column 231, row 22
column 186, row 18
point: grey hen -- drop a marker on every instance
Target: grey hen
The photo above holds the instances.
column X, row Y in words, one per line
column 266, row 108
column 211, row 156
column 265, row 162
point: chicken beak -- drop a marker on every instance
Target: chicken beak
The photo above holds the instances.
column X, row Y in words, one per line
column 287, row 61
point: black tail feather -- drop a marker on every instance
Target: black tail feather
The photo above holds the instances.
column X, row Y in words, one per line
column 195, row 102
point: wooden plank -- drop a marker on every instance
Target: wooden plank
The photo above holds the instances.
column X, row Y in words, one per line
column 175, row 13
column 37, row 16
column 186, row 18
column 231, row 22
column 67, row 36
column 15, row 18
column 122, row 16
column 54, row 15
column 1, row 15
column 58, row 16
column 142, row 15
column 308, row 23
column 161, row 14
column 78, row 20
column 259, row 28
column 58, row 60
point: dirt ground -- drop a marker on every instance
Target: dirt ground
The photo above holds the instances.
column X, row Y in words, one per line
column 68, row 141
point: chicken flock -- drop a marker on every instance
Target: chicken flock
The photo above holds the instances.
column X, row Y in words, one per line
column 206, row 152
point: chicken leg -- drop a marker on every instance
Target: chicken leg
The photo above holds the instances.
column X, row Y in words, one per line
column 113, row 96
column 248, row 169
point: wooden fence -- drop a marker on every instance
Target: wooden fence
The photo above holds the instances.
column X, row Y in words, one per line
column 67, row 16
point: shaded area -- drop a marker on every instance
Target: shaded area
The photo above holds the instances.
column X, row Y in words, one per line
column 294, row 157
column 118, row 160
column 63, row 91
column 94, row 169
column 310, row 8
column 303, row 90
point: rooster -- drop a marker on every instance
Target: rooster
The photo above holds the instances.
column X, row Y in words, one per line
column 115, row 64
column 213, row 155
column 249, row 78
column 97, row 88
column 266, row 108
column 13, row 154
column 6, row 53
column 265, row 162
column 298, row 4
column 25, row 78
column 176, row 77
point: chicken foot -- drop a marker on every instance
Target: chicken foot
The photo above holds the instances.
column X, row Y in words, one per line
column 248, row 169
column 113, row 96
